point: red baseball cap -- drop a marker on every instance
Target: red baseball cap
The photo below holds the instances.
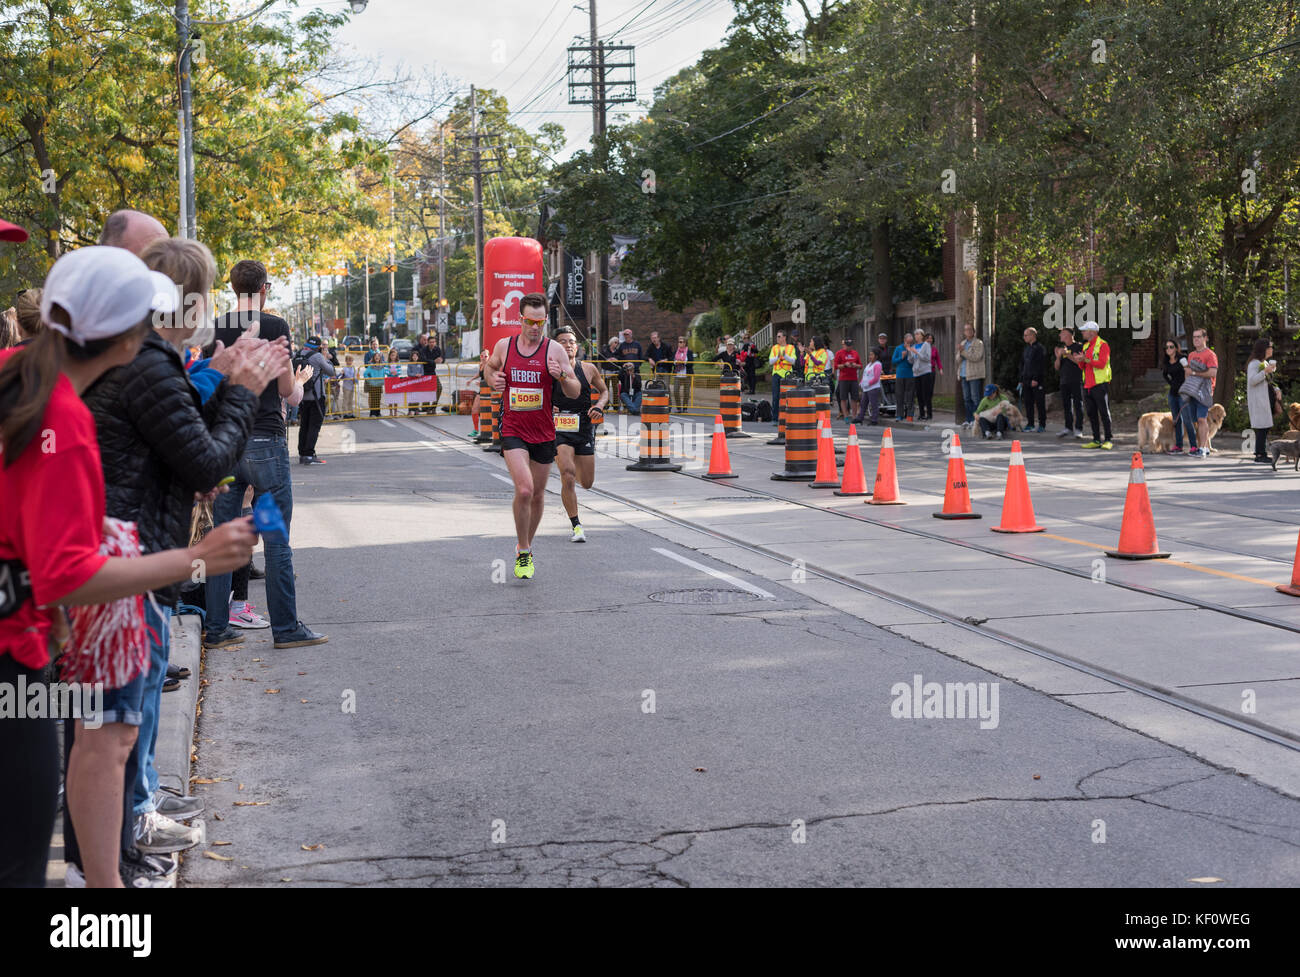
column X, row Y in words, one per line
column 11, row 232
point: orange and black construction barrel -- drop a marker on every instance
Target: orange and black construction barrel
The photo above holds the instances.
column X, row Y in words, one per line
column 787, row 384
column 494, row 422
column 484, row 413
column 656, row 455
column 729, row 402
column 800, row 436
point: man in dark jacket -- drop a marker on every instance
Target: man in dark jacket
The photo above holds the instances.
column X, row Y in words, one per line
column 1033, row 374
column 311, row 413
column 429, row 354
column 658, row 353
column 161, row 447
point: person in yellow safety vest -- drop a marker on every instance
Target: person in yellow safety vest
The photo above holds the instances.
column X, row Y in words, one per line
column 781, row 359
column 1095, row 360
column 814, row 370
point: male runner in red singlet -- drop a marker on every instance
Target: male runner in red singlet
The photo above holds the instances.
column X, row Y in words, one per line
column 521, row 368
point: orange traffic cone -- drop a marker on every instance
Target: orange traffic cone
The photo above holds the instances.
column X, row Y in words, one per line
column 1137, row 533
column 1017, row 509
column 886, row 488
column 828, row 475
column 956, row 496
column 1294, row 588
column 719, row 462
column 855, row 479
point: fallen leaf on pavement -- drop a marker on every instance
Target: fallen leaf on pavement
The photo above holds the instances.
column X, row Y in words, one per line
column 257, row 659
column 219, row 844
column 218, row 858
column 302, row 673
column 250, row 803
column 217, row 816
column 312, row 847
column 207, row 780
column 700, row 769
column 1205, row 878
column 286, row 880
column 272, row 691
column 302, row 700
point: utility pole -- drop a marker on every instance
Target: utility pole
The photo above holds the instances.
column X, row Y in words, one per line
column 185, row 120
column 365, row 317
column 605, row 89
column 478, row 206
column 442, row 216
column 599, row 261
column 392, row 232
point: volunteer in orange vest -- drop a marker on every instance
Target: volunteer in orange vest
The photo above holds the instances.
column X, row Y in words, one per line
column 1095, row 360
column 781, row 359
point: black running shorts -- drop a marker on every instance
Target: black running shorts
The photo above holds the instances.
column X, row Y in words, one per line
column 543, row 453
column 582, row 442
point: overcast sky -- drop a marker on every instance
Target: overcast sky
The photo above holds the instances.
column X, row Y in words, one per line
column 528, row 39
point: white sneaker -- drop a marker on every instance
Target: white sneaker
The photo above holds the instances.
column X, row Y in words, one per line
column 578, row 535
column 1080, row 435
column 243, row 616
column 157, row 834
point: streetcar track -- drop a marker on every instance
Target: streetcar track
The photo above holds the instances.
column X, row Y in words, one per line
column 1158, row 693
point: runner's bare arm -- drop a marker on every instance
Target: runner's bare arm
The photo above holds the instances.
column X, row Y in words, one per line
column 557, row 364
column 494, row 366
column 597, row 383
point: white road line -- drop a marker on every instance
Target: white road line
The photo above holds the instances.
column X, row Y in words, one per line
column 387, row 423
column 503, row 478
column 728, row 578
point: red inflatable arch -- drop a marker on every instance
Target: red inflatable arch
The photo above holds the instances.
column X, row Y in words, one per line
column 512, row 267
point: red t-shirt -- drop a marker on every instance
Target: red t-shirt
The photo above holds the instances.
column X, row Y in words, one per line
column 526, row 399
column 51, row 518
column 847, row 362
column 1208, row 361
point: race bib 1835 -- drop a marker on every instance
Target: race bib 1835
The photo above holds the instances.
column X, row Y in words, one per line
column 567, row 422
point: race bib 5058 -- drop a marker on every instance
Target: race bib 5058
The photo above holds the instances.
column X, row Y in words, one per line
column 525, row 399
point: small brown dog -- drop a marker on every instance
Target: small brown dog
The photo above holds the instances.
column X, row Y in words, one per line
column 1156, row 429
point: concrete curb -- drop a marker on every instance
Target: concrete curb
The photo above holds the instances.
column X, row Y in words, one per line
column 176, row 719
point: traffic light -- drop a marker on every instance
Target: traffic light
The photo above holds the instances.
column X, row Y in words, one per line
column 442, row 303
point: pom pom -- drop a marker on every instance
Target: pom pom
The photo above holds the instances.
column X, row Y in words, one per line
column 108, row 642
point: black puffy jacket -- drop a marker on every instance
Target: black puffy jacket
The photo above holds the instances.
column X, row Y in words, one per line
column 159, row 445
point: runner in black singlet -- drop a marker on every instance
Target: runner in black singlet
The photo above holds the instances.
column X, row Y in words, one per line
column 575, row 429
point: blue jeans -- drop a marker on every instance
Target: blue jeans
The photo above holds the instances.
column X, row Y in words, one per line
column 1192, row 410
column 1176, row 408
column 970, row 395
column 631, row 401
column 159, row 626
column 265, row 466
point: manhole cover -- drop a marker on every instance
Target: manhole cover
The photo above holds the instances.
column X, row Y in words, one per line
column 703, row 596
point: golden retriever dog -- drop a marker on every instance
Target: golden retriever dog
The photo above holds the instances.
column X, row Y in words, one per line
column 1293, row 415
column 1156, row 429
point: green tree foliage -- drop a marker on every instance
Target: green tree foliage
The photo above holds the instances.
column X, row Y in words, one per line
column 88, row 108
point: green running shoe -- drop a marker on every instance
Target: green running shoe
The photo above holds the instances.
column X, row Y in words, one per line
column 1091, row 444
column 524, row 565
column 1107, row 445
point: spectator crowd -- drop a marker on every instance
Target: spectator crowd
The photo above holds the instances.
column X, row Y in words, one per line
column 138, row 433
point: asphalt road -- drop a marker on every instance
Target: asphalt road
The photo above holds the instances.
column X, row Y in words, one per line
column 584, row 729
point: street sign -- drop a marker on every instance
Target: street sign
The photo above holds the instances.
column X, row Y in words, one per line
column 460, row 319
column 442, row 321
column 372, row 318
column 399, row 312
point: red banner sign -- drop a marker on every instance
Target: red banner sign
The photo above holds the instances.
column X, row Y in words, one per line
column 410, row 385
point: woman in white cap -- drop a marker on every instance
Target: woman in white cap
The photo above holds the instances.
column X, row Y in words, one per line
column 97, row 307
